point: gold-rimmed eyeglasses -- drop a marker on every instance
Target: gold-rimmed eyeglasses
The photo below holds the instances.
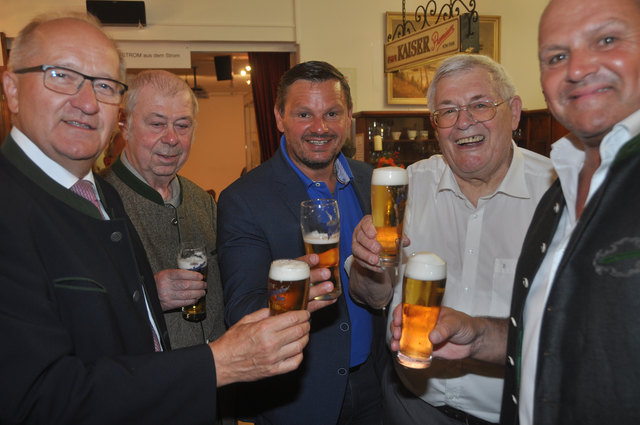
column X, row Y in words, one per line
column 480, row 111
column 67, row 81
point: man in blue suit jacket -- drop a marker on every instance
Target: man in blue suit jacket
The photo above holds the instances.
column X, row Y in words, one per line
column 259, row 221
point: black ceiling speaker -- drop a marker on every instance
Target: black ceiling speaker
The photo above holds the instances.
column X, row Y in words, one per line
column 129, row 13
column 223, row 67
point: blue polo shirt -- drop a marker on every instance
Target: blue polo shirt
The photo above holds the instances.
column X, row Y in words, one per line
column 350, row 216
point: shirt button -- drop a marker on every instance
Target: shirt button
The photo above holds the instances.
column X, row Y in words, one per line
column 514, row 399
column 556, row 208
column 116, row 237
column 136, row 295
column 525, row 282
column 511, row 362
column 513, row 322
column 174, row 221
column 543, row 247
column 342, row 371
column 344, row 326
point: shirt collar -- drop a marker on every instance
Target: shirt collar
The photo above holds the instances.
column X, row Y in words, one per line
column 341, row 167
column 50, row 167
column 513, row 184
column 174, row 184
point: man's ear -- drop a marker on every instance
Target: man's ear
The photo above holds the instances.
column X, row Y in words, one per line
column 10, row 85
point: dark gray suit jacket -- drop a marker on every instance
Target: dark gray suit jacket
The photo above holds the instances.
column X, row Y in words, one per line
column 259, row 221
column 588, row 361
column 78, row 346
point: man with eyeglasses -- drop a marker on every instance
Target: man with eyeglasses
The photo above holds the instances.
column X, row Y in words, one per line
column 471, row 206
column 86, row 341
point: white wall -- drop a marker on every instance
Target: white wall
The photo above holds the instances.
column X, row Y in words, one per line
column 351, row 34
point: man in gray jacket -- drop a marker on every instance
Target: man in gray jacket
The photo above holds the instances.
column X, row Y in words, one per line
column 167, row 209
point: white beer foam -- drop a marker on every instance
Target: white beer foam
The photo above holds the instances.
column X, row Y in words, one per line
column 390, row 176
column 190, row 263
column 289, row 270
column 318, row 238
column 426, row 266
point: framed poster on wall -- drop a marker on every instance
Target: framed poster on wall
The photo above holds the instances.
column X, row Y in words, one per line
column 409, row 86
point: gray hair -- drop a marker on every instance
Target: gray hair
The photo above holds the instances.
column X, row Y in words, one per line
column 466, row 62
column 164, row 82
column 25, row 45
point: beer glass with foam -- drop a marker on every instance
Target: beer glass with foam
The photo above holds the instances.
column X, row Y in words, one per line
column 193, row 256
column 288, row 286
column 320, row 224
column 388, row 200
column 422, row 291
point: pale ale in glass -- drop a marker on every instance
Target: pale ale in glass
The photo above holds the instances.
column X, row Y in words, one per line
column 422, row 291
column 288, row 286
column 194, row 257
column 320, row 225
column 388, row 200
column 327, row 248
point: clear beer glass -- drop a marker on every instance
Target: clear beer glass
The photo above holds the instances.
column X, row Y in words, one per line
column 288, row 286
column 388, row 200
column 320, row 224
column 423, row 287
column 193, row 256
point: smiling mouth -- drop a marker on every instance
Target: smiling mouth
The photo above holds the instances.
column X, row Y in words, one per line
column 583, row 94
column 80, row 125
column 469, row 140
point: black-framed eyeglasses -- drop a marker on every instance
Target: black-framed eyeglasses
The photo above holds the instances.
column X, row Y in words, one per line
column 480, row 111
column 67, row 81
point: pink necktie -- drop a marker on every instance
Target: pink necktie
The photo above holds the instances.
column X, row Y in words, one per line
column 84, row 188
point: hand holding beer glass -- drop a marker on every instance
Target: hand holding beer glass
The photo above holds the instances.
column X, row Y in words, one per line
column 388, row 200
column 288, row 286
column 193, row 256
column 320, row 224
column 422, row 291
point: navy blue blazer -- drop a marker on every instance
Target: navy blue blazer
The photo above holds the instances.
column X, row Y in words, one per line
column 78, row 344
column 258, row 221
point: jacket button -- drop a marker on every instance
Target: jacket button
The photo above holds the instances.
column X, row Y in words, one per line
column 174, row 221
column 344, row 326
column 514, row 399
column 513, row 322
column 342, row 371
column 136, row 295
column 511, row 362
column 556, row 208
column 525, row 282
column 116, row 237
column 543, row 247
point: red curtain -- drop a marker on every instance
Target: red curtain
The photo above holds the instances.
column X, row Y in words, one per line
column 266, row 70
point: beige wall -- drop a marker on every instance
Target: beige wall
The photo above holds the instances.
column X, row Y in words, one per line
column 348, row 33
column 218, row 151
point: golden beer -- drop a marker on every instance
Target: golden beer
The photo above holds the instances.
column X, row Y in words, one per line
column 423, row 287
column 327, row 248
column 320, row 225
column 288, row 286
column 388, row 200
column 194, row 258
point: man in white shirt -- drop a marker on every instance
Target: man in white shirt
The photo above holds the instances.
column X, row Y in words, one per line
column 572, row 347
column 86, row 342
column 471, row 206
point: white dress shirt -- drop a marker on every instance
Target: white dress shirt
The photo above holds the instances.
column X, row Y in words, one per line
column 567, row 159
column 481, row 246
